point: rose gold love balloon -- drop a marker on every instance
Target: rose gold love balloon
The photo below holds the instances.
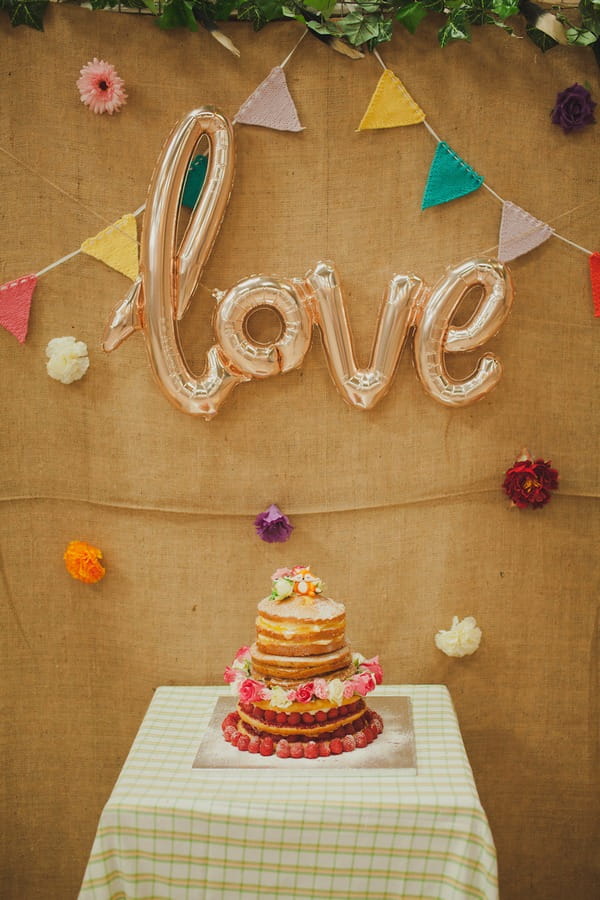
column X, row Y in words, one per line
column 170, row 273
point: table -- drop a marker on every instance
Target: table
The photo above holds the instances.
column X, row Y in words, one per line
column 170, row 832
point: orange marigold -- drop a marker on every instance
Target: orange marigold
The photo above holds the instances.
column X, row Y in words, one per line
column 83, row 562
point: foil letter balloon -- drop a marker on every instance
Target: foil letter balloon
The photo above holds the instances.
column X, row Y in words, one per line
column 435, row 336
column 170, row 272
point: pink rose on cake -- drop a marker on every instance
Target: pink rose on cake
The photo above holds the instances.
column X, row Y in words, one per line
column 242, row 654
column 230, row 675
column 320, row 688
column 374, row 666
column 251, row 691
column 304, row 693
column 359, row 684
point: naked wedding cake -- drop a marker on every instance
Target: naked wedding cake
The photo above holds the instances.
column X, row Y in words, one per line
column 300, row 688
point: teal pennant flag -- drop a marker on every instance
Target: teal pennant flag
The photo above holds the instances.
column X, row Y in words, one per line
column 449, row 177
column 194, row 181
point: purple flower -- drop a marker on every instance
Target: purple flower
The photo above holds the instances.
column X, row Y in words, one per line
column 574, row 108
column 273, row 526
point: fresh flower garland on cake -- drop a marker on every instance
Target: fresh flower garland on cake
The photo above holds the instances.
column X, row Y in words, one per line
column 250, row 690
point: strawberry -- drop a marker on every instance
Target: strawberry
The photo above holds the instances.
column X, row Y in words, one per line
column 281, row 718
column 235, row 738
column 321, row 715
column 308, row 718
column 294, row 718
column 336, row 746
column 311, row 750
column 348, row 743
column 266, row 747
column 270, row 716
column 254, row 745
column 333, row 713
column 377, row 724
column 244, row 742
column 360, row 739
column 283, row 749
column 324, row 749
column 369, row 733
column 296, row 751
column 228, row 732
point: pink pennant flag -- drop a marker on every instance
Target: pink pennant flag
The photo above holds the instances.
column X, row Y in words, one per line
column 15, row 303
column 520, row 232
column 595, row 279
column 270, row 105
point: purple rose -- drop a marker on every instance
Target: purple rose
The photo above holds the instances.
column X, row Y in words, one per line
column 272, row 526
column 574, row 109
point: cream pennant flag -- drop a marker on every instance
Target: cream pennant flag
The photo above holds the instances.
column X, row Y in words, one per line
column 116, row 246
column 270, row 105
column 520, row 232
column 391, row 105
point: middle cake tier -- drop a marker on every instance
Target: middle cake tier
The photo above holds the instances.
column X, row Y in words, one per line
column 289, row 671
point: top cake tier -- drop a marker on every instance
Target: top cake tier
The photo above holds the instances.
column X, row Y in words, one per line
column 297, row 620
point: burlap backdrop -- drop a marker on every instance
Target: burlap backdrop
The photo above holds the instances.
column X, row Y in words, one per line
column 399, row 509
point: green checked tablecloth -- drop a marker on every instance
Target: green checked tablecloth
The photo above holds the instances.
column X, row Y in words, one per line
column 170, row 831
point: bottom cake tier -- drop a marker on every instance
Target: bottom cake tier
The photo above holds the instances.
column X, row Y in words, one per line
column 353, row 728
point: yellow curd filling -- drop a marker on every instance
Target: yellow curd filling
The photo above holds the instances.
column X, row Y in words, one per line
column 312, row 706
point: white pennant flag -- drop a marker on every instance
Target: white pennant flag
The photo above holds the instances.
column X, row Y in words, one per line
column 270, row 105
column 520, row 232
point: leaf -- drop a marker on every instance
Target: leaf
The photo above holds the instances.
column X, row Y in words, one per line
column 456, row 29
column 259, row 12
column 412, row 15
column 358, row 29
column 30, row 13
column 325, row 7
column 581, row 37
column 177, row 14
column 541, row 40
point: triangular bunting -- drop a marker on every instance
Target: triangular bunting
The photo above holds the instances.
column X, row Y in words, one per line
column 15, row 303
column 520, row 232
column 270, row 105
column 449, row 177
column 194, row 181
column 116, row 246
column 595, row 279
column 391, row 105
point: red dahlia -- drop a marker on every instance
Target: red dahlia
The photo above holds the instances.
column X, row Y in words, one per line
column 529, row 482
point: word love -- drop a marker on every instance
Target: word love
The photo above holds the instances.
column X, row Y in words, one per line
column 170, row 274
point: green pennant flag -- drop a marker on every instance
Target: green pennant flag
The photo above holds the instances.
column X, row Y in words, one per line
column 194, row 181
column 449, row 177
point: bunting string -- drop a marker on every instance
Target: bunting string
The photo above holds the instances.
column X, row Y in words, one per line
column 271, row 105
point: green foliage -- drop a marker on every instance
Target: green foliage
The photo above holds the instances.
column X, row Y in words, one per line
column 26, row 12
column 365, row 23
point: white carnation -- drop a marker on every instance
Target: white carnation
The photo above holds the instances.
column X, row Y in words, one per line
column 67, row 359
column 461, row 640
column 279, row 698
column 335, row 691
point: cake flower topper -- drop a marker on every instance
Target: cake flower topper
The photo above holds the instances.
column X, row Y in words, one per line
column 298, row 580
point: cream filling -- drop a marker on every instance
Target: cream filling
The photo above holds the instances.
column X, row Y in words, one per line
column 288, row 630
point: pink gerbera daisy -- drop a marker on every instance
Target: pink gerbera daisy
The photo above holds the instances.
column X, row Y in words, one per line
column 101, row 88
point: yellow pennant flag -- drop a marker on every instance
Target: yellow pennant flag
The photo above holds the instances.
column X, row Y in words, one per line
column 391, row 105
column 116, row 246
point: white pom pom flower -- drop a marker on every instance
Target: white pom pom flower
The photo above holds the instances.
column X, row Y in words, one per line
column 67, row 359
column 462, row 639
